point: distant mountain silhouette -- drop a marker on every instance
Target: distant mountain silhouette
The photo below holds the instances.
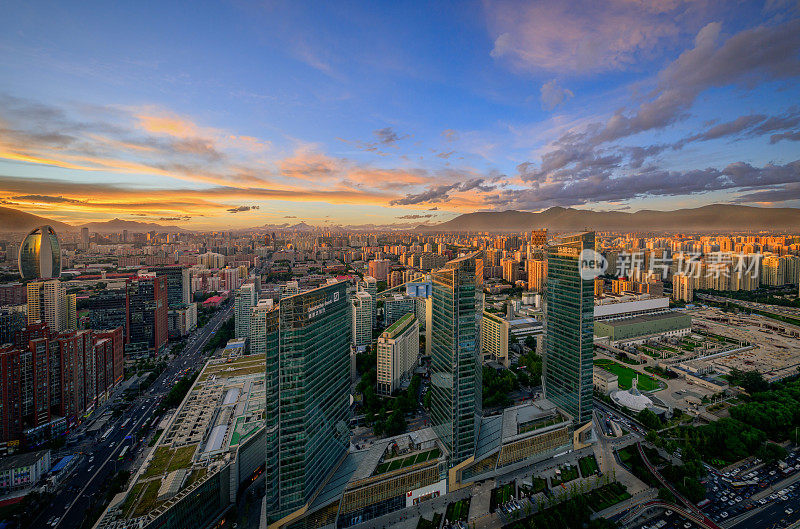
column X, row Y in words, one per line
column 715, row 217
column 14, row 220
column 133, row 226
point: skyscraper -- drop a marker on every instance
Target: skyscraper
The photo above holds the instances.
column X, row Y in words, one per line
column 244, row 301
column 40, row 254
column 307, row 393
column 570, row 328
column 146, row 318
column 362, row 318
column 47, row 303
column 85, row 237
column 178, row 284
column 370, row 286
column 456, row 371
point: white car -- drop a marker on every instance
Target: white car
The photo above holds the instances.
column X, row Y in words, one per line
column 788, row 511
column 724, row 514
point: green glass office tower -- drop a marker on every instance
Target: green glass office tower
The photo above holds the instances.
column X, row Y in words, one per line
column 570, row 325
column 456, row 371
column 307, row 393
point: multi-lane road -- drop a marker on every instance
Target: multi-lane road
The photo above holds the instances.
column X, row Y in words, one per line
column 85, row 488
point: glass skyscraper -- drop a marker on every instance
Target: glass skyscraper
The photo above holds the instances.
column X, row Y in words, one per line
column 456, row 370
column 40, row 255
column 307, row 393
column 570, row 327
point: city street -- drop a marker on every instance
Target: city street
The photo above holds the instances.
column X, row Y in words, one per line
column 72, row 502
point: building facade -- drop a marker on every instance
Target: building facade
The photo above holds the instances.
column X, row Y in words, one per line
column 398, row 349
column 40, row 255
column 456, row 370
column 146, row 317
column 308, row 398
column 569, row 316
column 362, row 319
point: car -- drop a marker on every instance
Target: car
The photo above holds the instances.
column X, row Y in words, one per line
column 687, row 525
column 724, row 514
column 668, row 512
column 788, row 511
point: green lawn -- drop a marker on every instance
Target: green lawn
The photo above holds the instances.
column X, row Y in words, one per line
column 588, row 466
column 606, row 496
column 457, row 511
column 626, row 374
column 402, row 462
column 568, row 473
column 538, row 485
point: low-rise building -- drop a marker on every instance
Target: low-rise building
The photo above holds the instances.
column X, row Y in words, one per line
column 639, row 329
column 604, row 381
column 23, row 471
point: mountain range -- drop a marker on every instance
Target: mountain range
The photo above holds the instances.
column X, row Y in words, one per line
column 711, row 218
column 14, row 220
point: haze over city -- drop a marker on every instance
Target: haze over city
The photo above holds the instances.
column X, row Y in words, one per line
column 251, row 113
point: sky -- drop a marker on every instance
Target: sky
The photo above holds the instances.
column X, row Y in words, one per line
column 218, row 115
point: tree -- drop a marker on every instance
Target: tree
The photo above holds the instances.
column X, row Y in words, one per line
column 649, row 419
column 771, row 452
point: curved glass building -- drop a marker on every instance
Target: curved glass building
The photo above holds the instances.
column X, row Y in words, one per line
column 40, row 254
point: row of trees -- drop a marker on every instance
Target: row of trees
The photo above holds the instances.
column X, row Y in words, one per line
column 385, row 415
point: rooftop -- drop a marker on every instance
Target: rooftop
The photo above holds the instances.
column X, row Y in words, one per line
column 21, row 460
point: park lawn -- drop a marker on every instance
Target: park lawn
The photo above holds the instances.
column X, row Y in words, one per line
column 402, row 462
column 606, row 496
column 148, row 500
column 182, row 458
column 457, row 511
column 537, row 485
column 158, row 465
column 588, row 466
column 568, row 473
column 626, row 374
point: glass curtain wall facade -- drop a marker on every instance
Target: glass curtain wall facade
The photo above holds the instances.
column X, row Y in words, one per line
column 456, row 371
column 308, row 396
column 40, row 255
column 570, row 327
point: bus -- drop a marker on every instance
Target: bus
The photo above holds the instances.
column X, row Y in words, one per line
column 125, row 423
column 123, row 453
column 106, row 434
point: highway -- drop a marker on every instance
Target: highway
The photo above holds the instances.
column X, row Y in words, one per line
column 85, row 487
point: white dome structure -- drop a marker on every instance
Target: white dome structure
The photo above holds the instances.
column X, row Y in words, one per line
column 632, row 399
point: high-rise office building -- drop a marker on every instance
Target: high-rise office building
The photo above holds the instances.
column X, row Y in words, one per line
column 244, row 301
column 370, row 286
column 178, row 284
column 510, row 269
column 85, row 237
column 456, row 371
column 362, row 319
column 537, row 274
column 398, row 349
column 308, row 397
column 396, row 306
column 147, row 324
column 570, row 328
column 40, row 254
column 682, row 287
column 47, row 302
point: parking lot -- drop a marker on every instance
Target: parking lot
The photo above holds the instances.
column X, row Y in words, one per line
column 749, row 488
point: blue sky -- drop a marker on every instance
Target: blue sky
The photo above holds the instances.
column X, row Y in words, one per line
column 242, row 113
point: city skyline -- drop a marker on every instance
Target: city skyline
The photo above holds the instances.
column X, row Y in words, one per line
column 278, row 113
